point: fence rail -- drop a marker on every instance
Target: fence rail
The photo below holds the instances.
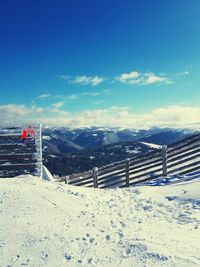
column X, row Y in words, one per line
column 179, row 158
column 17, row 158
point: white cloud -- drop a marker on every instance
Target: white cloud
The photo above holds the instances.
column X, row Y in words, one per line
column 147, row 78
column 151, row 78
column 134, row 77
column 172, row 116
column 183, row 73
column 87, row 94
column 63, row 77
column 50, row 96
column 13, row 113
column 97, row 93
column 44, row 96
column 12, row 110
column 82, row 79
column 73, row 97
column 57, row 105
column 128, row 77
column 98, row 102
column 88, row 80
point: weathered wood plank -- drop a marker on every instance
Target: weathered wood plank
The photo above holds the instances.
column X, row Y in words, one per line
column 79, row 179
column 153, row 173
column 19, row 158
column 176, row 148
column 145, row 162
column 197, row 168
column 183, row 160
column 183, row 149
column 183, row 154
column 83, row 175
column 188, row 166
column 109, row 168
column 114, row 184
column 16, row 148
column 143, row 180
column 10, row 138
column 112, row 177
column 108, row 174
column 17, row 166
column 82, row 183
column 147, row 156
column 146, row 166
column 145, row 169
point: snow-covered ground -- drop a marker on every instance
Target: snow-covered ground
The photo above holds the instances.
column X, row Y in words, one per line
column 52, row 224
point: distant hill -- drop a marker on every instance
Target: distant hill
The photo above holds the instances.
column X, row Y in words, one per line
column 64, row 140
column 165, row 138
column 59, row 145
column 86, row 159
column 88, row 139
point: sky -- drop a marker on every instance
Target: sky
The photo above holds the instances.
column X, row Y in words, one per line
column 78, row 63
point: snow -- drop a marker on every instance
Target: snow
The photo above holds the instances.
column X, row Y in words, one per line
column 132, row 151
column 46, row 137
column 151, row 145
column 52, row 224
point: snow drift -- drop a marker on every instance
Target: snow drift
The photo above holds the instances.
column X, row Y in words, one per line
column 51, row 224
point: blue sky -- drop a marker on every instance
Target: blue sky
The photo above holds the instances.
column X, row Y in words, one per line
column 102, row 62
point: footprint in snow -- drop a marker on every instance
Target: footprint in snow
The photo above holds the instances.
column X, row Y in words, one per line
column 25, row 263
column 67, row 257
column 44, row 256
column 107, row 237
column 90, row 260
column 91, row 239
column 170, row 198
column 122, row 224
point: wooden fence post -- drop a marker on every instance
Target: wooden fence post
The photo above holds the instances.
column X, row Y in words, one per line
column 95, row 177
column 164, row 160
column 127, row 171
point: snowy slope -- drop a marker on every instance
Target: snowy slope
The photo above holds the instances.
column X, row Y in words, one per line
column 50, row 224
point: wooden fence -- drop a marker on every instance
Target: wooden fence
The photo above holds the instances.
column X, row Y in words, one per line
column 17, row 158
column 179, row 158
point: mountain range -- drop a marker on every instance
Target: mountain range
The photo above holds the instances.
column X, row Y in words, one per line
column 68, row 151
